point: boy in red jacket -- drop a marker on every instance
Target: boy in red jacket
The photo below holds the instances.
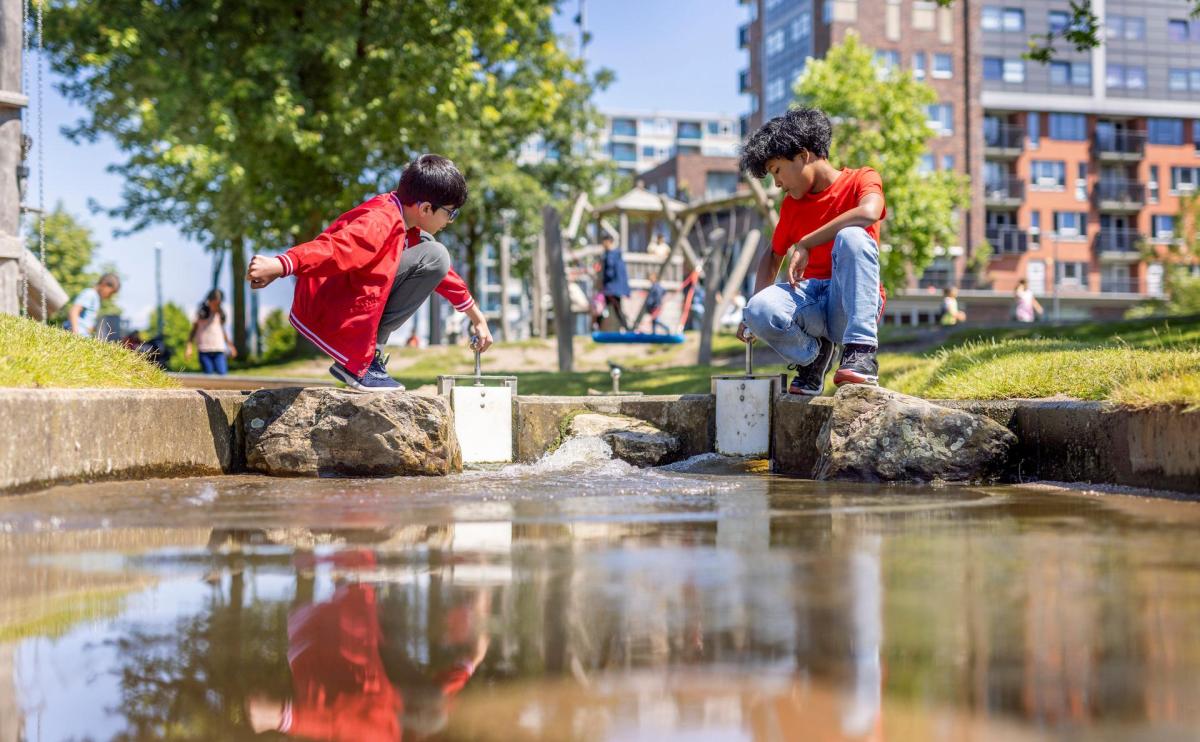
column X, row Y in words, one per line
column 365, row 275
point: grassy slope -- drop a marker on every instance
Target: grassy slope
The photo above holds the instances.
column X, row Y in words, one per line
column 34, row 355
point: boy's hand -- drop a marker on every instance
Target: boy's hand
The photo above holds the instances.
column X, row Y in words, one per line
column 744, row 334
column 799, row 261
column 263, row 270
column 483, row 336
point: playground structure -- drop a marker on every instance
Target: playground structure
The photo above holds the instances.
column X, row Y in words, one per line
column 717, row 239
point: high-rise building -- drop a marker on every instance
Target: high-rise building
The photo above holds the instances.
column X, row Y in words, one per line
column 1076, row 167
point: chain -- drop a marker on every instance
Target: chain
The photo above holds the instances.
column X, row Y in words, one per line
column 41, row 146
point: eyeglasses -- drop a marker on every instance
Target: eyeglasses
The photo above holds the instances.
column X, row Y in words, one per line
column 453, row 213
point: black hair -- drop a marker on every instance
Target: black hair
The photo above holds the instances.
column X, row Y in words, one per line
column 785, row 136
column 205, row 312
column 606, row 237
column 434, row 179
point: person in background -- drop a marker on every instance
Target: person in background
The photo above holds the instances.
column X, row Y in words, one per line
column 209, row 335
column 659, row 248
column 1027, row 309
column 616, row 280
column 654, row 305
column 85, row 309
column 951, row 314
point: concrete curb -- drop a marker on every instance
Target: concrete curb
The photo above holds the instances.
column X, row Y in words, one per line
column 55, row 436
column 1058, row 440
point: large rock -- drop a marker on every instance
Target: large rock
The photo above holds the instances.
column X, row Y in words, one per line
column 877, row 435
column 310, row 432
column 632, row 440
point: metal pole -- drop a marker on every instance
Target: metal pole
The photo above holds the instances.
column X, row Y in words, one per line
column 749, row 354
column 158, row 284
column 12, row 100
column 1054, row 278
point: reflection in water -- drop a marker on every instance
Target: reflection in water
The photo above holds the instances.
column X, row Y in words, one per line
column 669, row 605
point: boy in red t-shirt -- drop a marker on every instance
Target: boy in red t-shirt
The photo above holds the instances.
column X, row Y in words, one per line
column 830, row 221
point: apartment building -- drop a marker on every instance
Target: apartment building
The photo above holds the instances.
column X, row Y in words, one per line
column 1075, row 166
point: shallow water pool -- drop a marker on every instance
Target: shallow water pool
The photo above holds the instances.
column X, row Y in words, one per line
column 582, row 599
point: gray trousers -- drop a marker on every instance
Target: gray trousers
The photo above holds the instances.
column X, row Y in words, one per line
column 422, row 267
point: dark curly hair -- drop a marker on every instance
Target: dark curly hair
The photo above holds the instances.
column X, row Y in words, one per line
column 784, row 136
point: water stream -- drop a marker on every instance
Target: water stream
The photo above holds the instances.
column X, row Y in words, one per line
column 581, row 598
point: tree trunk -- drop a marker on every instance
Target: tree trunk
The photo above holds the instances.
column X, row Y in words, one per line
column 237, row 275
column 505, row 270
column 558, row 282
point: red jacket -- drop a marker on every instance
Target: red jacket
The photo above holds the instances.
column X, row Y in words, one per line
column 344, row 276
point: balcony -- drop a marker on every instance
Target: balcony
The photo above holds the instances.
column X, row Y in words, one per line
column 1003, row 141
column 1122, row 285
column 1007, row 240
column 1120, row 195
column 1119, row 245
column 1004, row 193
column 1119, row 146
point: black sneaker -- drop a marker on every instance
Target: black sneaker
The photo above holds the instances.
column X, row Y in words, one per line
column 810, row 379
column 858, row 366
column 374, row 379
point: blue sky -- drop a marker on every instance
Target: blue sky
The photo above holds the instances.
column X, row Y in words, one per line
column 662, row 61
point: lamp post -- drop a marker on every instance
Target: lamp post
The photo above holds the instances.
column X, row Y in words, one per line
column 158, row 284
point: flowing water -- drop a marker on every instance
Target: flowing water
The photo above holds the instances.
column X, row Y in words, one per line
column 580, row 598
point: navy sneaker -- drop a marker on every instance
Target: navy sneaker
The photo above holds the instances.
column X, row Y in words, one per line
column 810, row 379
column 858, row 366
column 374, row 379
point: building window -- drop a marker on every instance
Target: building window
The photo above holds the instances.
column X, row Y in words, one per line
column 648, row 150
column 887, row 60
column 688, row 130
column 1162, row 227
column 624, row 128
column 943, row 66
column 1059, row 21
column 926, row 165
column 1177, row 30
column 1183, row 179
column 1035, row 226
column 1081, row 73
column 919, row 65
column 1194, row 80
column 1152, row 185
column 1070, row 127
column 1060, row 73
column 718, row 184
column 801, row 27
column 947, row 162
column 941, row 118
column 1196, row 134
column 1164, row 131
column 1135, row 29
column 1081, row 183
column 775, row 90
column 1177, row 79
column 1048, row 173
column 775, row 42
column 1071, row 273
column 623, row 152
column 1014, row 70
column 1129, row 28
column 924, row 15
column 1033, row 125
column 991, row 17
column 1132, row 77
column 993, row 68
column 1014, row 19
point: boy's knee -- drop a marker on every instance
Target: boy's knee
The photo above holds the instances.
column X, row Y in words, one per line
column 437, row 258
column 765, row 318
column 853, row 240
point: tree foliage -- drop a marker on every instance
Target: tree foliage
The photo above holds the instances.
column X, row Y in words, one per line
column 879, row 120
column 256, row 122
column 177, row 326
column 1181, row 264
column 69, row 250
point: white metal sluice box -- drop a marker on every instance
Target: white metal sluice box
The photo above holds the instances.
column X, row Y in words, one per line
column 483, row 416
column 743, row 410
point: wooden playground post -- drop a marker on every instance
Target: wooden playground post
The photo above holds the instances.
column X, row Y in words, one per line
column 551, row 227
column 505, row 270
column 538, row 310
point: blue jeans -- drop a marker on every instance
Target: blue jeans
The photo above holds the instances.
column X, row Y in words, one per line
column 214, row 363
column 844, row 308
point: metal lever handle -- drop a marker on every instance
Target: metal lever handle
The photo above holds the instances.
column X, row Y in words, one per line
column 478, row 372
column 749, row 354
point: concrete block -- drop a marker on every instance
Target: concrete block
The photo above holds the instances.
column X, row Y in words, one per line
column 53, row 436
column 688, row 417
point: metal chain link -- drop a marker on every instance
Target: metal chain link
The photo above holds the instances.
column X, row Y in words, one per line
column 41, row 147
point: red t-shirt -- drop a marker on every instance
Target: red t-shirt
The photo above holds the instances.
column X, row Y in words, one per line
column 801, row 216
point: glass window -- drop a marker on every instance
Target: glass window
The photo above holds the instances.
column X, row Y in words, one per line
column 1114, row 27
column 1114, row 76
column 1177, row 30
column 775, row 41
column 1177, row 79
column 648, row 150
column 718, row 184
column 623, row 152
column 1059, row 20
column 1152, row 184
column 1014, row 19
column 991, row 18
column 1033, row 124
column 926, row 165
column 919, row 65
column 688, row 130
column 887, row 59
column 1163, row 226
column 1194, row 80
column 993, row 68
column 947, row 162
column 775, row 90
column 1071, row 127
column 1014, row 70
column 1070, row 223
column 1183, row 179
column 1135, row 77
column 1060, row 73
column 714, row 128
column 942, row 65
column 1035, row 222
column 1135, row 29
column 1048, row 173
column 1196, row 133
column 624, row 127
column 941, row 118
column 1081, row 73
column 1165, row 131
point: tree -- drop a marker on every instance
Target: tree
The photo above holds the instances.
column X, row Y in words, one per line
column 1081, row 31
column 250, row 125
column 69, row 250
column 1181, row 264
column 177, row 326
column 879, row 120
